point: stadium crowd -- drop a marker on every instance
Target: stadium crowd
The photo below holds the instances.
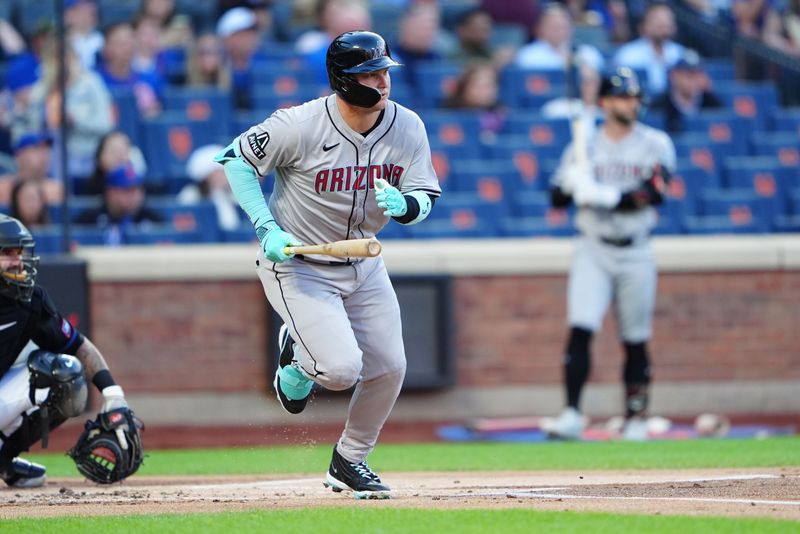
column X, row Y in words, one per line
column 153, row 86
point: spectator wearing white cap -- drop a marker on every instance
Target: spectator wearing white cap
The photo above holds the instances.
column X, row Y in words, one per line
column 210, row 183
column 239, row 33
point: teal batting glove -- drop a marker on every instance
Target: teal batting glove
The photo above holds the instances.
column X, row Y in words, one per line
column 274, row 241
column 390, row 199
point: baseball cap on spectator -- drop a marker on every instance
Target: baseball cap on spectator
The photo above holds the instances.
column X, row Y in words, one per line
column 22, row 71
column 236, row 20
column 201, row 163
column 32, row 139
column 689, row 60
column 124, row 176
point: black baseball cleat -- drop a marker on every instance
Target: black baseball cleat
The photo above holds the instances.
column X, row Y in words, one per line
column 358, row 478
column 293, row 379
column 24, row 474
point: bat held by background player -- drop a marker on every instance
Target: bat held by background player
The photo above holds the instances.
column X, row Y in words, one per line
column 348, row 248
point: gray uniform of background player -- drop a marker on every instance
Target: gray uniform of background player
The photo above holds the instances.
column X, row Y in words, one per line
column 627, row 164
column 602, row 271
column 345, row 319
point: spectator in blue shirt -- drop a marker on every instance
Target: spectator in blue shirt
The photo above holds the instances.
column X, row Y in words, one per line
column 117, row 69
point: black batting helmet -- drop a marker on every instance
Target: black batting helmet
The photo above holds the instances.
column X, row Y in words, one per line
column 17, row 281
column 352, row 53
column 622, row 81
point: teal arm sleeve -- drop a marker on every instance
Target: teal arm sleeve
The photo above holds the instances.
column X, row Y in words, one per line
column 245, row 187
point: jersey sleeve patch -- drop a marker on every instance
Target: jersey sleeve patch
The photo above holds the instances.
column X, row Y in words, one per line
column 258, row 144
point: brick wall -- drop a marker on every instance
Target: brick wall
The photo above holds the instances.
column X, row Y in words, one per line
column 212, row 336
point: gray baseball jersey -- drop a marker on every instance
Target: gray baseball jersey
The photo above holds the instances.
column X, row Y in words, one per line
column 613, row 258
column 325, row 172
column 342, row 313
column 624, row 164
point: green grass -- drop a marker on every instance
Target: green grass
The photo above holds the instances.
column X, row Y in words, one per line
column 709, row 453
column 369, row 519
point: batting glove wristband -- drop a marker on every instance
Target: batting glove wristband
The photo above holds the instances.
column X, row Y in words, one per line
column 274, row 240
column 390, row 199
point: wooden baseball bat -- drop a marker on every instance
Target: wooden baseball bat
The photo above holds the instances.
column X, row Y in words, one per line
column 348, row 248
column 579, row 140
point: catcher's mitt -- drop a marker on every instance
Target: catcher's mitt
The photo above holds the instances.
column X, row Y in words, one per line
column 109, row 449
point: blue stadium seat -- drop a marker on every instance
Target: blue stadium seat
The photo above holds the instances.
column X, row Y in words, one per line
column 722, row 127
column 527, row 159
column 783, row 146
column 763, row 175
column 49, row 239
column 203, row 105
column 786, row 120
column 162, row 234
column 126, row 113
column 684, row 186
column 541, row 132
column 556, row 223
column 458, row 228
column 244, row 120
column 700, row 151
column 466, row 212
column 269, row 101
column 438, row 80
column 278, row 81
column 455, row 129
column 81, row 235
column 655, row 118
column 168, row 141
column 749, row 100
column 77, row 205
column 197, row 221
column 741, row 208
column 114, row 11
column 721, row 71
column 793, row 199
column 243, row 234
column 491, row 180
column 668, row 222
column 719, row 224
column 528, row 88
column 530, row 204
column 786, row 223
column 443, row 157
column 394, row 230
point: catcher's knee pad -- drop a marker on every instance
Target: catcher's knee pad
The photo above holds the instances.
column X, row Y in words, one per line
column 63, row 374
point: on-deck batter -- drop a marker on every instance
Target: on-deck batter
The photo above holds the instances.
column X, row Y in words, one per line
column 341, row 316
column 628, row 165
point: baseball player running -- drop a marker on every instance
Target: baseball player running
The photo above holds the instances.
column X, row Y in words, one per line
column 628, row 164
column 42, row 382
column 343, row 165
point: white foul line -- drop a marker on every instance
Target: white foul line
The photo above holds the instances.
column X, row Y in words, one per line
column 688, row 499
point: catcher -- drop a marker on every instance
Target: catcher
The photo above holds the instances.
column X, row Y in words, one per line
column 44, row 366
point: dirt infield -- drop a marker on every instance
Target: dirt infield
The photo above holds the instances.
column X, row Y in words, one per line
column 772, row 492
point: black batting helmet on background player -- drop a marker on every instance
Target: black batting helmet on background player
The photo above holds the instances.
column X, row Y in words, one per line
column 357, row 52
column 17, row 280
column 622, row 81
